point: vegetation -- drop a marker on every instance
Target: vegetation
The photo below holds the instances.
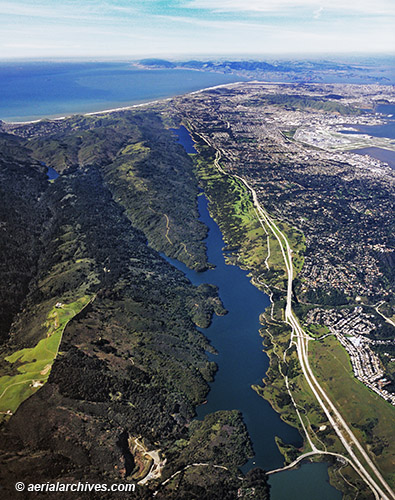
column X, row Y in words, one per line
column 232, row 207
column 208, row 448
column 22, row 217
column 207, row 438
column 318, row 330
column 132, row 362
column 143, row 167
column 370, row 416
column 274, row 389
column 294, row 102
column 34, row 364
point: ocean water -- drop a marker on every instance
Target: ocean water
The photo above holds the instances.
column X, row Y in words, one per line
column 29, row 91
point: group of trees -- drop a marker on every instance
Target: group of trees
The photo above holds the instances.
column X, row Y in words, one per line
column 132, row 363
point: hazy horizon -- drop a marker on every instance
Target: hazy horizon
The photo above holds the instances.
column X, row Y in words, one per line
column 356, row 57
column 181, row 29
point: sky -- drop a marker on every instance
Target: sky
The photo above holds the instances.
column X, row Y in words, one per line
column 183, row 28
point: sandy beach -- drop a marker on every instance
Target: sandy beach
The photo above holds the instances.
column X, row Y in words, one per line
column 122, row 108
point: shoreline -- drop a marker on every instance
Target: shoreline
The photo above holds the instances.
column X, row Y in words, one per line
column 90, row 113
column 121, row 108
column 146, row 103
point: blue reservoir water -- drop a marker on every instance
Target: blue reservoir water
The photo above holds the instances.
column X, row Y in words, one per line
column 51, row 173
column 184, row 138
column 29, row 91
column 309, row 482
column 241, row 360
column 241, row 363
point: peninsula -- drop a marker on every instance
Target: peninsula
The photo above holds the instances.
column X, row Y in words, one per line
column 311, row 222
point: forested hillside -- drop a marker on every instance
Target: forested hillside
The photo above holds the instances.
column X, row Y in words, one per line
column 130, row 366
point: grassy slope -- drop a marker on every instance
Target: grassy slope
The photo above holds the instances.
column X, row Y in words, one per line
column 34, row 364
column 232, row 207
column 358, row 404
column 143, row 167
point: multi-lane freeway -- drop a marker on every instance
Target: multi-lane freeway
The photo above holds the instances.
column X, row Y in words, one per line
column 356, row 456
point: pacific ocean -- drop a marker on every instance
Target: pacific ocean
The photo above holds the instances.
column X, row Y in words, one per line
column 34, row 90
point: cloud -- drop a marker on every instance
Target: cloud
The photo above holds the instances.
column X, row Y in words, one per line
column 85, row 11
column 41, row 46
column 214, row 24
column 318, row 12
column 378, row 7
column 193, row 26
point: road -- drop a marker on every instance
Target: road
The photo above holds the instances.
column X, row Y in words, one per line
column 341, row 428
column 377, row 309
column 335, row 418
column 368, row 471
column 167, row 229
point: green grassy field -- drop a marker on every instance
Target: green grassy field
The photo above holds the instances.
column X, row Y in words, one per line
column 33, row 365
column 317, row 330
column 232, row 208
column 275, row 391
column 371, row 417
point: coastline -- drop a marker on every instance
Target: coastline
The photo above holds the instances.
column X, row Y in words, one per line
column 121, row 108
column 90, row 113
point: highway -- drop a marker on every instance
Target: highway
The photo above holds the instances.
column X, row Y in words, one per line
column 367, row 471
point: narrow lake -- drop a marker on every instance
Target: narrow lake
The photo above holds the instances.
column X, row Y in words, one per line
column 242, row 362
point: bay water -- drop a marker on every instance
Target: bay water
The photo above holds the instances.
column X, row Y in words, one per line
column 386, row 129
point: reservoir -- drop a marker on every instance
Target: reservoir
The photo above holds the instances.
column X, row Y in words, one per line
column 242, row 362
column 309, row 482
column 51, row 173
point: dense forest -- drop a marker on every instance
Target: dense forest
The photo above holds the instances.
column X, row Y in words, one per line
column 131, row 365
